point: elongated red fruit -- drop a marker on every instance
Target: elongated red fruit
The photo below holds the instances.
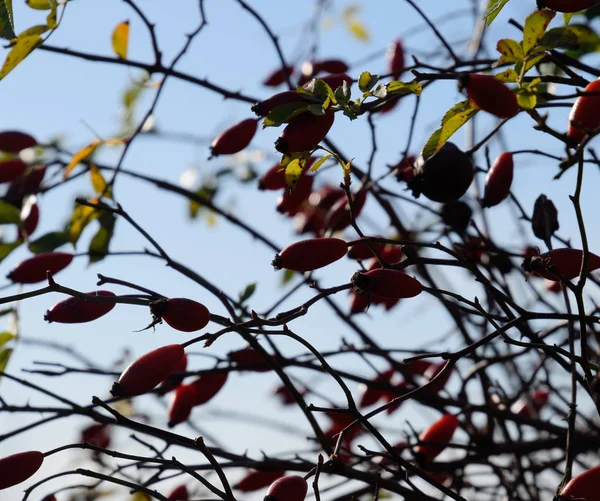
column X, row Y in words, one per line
column 362, row 250
column 435, row 438
column 339, row 216
column 185, row 315
column 234, row 139
column 278, row 77
column 257, row 479
column 25, row 185
column 11, row 169
column 96, row 434
column 491, row 95
column 498, row 180
column 584, row 486
column 19, row 467
column 77, row 310
column 292, row 200
column 311, row 254
column 528, row 407
column 566, row 261
column 144, row 373
column 395, row 56
column 370, row 395
column 273, row 179
column 585, row 113
column 180, row 493
column 208, row 385
column 387, row 283
column 334, row 81
column 30, row 217
column 290, row 488
column 13, row 141
column 440, row 383
column 249, row 359
column 304, row 132
column 566, row 5
column 329, row 66
column 33, row 270
column 181, row 404
column 174, row 379
column 263, row 108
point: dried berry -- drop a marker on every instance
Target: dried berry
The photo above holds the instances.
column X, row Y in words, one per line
column 444, row 177
column 77, row 310
column 33, row 270
column 544, row 221
column 311, row 254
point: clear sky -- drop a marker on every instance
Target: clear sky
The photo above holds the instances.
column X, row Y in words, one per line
column 50, row 95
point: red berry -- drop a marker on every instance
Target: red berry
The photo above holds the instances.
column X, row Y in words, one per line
column 567, row 262
column 583, row 486
column 33, row 270
column 399, row 390
column 285, row 395
column 273, row 179
column 387, row 283
column 278, row 77
column 528, row 407
column 291, row 202
column 263, row 108
column 311, row 254
column 257, row 479
column 144, row 373
column 498, row 180
column 304, row 132
column 362, row 250
column 440, row 383
column 491, row 95
column 249, row 359
column 334, row 81
column 566, row 5
column 179, row 494
column 208, row 385
column 174, row 379
column 76, row 310
column 417, row 367
column 435, row 438
column 339, row 216
column 181, row 404
column 358, row 302
column 96, row 434
column 13, row 141
column 185, row 315
column 19, row 467
column 290, row 488
column 585, row 113
column 30, row 217
column 395, row 56
column 25, row 185
column 11, row 169
column 328, row 66
column 370, row 395
column 234, row 139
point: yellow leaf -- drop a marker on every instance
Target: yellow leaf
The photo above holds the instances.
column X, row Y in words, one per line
column 120, row 39
column 98, row 181
column 51, row 18
column 81, row 217
column 140, row 496
column 19, row 51
column 293, row 171
column 114, row 142
column 358, row 30
column 39, row 4
column 80, row 156
column 124, row 407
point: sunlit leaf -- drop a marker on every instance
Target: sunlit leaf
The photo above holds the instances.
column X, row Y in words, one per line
column 39, row 4
column 247, row 293
column 19, row 51
column 205, row 192
column 567, row 17
column 140, row 496
column 397, row 87
column 284, row 113
column 511, row 51
column 317, row 165
column 9, row 214
column 293, row 171
column 98, row 181
column 120, row 39
column 366, row 81
column 587, row 40
column 5, row 337
column 81, row 217
column 493, row 9
column 80, row 156
column 287, row 276
column 7, row 248
column 527, row 100
column 4, row 356
column 535, row 27
column 453, row 120
column 508, row 75
column 357, row 28
column 49, row 242
column 7, row 24
column 51, row 18
column 38, row 29
column 100, row 242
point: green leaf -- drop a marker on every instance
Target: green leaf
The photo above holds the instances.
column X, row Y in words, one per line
column 9, row 214
column 205, row 192
column 5, row 337
column 287, row 276
column 493, row 9
column 317, row 165
column 316, row 109
column 587, row 39
column 367, row 81
column 4, row 356
column 563, row 38
column 247, row 293
column 453, row 120
column 284, row 113
column 343, row 94
column 52, row 17
column 38, row 29
column 530, row 62
column 397, row 87
column 19, row 51
column 508, row 75
column 100, row 242
column 511, row 51
column 39, row 4
column 7, row 25
column 81, row 217
column 567, row 17
column 535, row 27
column 49, row 242
column 7, row 248
column 527, row 100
